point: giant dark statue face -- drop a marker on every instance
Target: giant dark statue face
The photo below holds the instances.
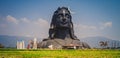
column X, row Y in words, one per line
column 63, row 18
column 61, row 25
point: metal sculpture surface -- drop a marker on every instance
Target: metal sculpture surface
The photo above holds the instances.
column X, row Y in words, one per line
column 61, row 25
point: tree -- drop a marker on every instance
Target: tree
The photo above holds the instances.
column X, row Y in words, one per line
column 1, row 46
column 103, row 44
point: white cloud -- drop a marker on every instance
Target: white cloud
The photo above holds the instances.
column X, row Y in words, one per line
column 41, row 21
column 12, row 19
column 106, row 25
column 25, row 20
column 85, row 27
column 82, row 31
column 35, row 28
column 25, row 27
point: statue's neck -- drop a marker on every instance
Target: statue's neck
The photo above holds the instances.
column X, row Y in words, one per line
column 62, row 33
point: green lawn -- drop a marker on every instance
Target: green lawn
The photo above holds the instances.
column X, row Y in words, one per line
column 45, row 53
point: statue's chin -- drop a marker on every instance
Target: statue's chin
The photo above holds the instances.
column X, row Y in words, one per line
column 63, row 26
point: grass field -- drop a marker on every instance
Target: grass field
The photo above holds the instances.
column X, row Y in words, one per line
column 45, row 53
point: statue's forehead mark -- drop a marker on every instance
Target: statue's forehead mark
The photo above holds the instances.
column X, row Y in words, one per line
column 63, row 11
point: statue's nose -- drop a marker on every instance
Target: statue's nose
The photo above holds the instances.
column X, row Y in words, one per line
column 64, row 20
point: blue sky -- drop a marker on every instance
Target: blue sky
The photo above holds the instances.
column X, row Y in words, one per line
column 32, row 17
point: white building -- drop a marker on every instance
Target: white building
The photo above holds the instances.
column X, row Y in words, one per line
column 35, row 43
column 20, row 45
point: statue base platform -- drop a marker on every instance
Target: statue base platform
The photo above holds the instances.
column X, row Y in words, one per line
column 66, row 43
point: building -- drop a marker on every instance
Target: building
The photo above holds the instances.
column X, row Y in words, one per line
column 35, row 43
column 20, row 45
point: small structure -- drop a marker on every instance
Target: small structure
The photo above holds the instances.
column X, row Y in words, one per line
column 71, row 46
column 51, row 47
column 35, row 43
column 20, row 45
column 32, row 44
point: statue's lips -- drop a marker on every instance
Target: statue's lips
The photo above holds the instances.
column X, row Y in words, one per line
column 64, row 24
